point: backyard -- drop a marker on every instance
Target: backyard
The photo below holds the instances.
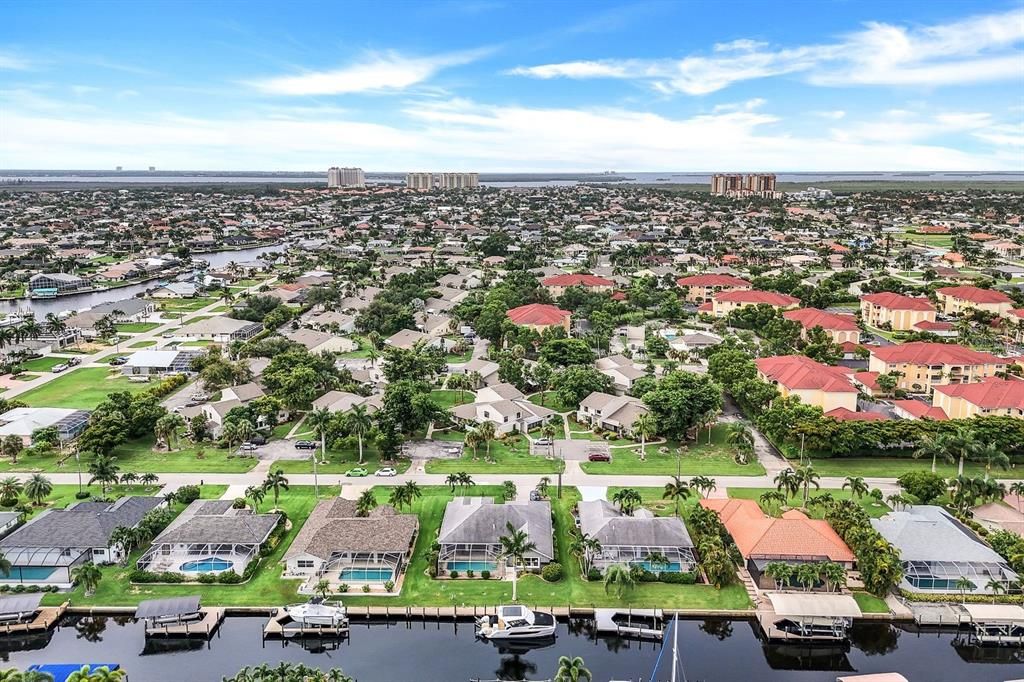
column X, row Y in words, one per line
column 81, row 389
column 873, row 507
column 698, row 458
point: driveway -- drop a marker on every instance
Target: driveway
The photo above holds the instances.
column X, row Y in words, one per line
column 432, row 449
column 579, row 450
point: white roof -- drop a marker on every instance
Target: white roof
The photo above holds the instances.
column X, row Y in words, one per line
column 152, row 358
column 992, row 612
column 22, row 421
column 814, row 604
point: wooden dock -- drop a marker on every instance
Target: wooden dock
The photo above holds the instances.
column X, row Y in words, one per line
column 281, row 626
column 45, row 618
column 204, row 627
column 639, row 622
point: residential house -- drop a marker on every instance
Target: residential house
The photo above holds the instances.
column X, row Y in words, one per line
column 540, row 316
column 621, row 370
column 633, row 540
column 320, row 342
column 557, row 285
column 221, row 329
column 472, row 528
column 506, row 407
column 487, row 370
column 342, row 401
column 159, row 362
column 610, row 412
column 23, row 422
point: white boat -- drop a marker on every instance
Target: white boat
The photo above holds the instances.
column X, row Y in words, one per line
column 516, row 622
column 317, row 612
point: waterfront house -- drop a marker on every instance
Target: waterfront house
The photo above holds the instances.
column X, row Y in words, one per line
column 470, row 532
column 46, row 549
column 210, row 536
column 938, row 551
column 175, row 290
column 634, row 539
column 337, row 544
column 220, row 329
column 792, row 539
column 56, row 284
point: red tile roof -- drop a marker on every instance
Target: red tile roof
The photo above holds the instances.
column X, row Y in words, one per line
column 894, row 301
column 712, row 281
column 755, row 296
column 797, row 372
column 925, row 353
column 809, row 318
column 921, row 410
column 538, row 314
column 577, row 281
column 868, row 380
column 975, row 294
column 991, row 394
column 844, row 415
column 794, row 535
column 705, row 307
column 929, row 326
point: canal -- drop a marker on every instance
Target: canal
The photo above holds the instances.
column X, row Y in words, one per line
column 89, row 299
column 712, row 650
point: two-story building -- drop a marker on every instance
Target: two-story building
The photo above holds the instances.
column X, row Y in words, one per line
column 922, row 365
column 895, row 311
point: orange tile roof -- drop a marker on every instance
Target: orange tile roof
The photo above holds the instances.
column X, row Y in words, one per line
column 797, row 372
column 792, row 535
column 712, row 280
column 991, row 394
column 809, row 318
column 538, row 314
column 755, row 296
column 925, row 353
column 844, row 415
column 921, row 410
column 577, row 281
column 894, row 301
column 975, row 294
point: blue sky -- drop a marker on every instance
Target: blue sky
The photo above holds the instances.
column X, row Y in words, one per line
column 495, row 85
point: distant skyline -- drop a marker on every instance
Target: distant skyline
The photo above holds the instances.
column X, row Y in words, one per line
column 495, row 86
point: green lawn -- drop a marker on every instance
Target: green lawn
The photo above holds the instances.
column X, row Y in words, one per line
column 891, row 467
column 511, row 456
column 42, row 364
column 137, row 327
column 464, row 356
column 447, row 399
column 266, row 588
column 340, row 461
column 362, row 351
column 551, row 401
column 201, row 343
column 143, row 344
column 184, row 304
column 699, row 458
column 83, row 389
column 873, row 508
column 869, row 603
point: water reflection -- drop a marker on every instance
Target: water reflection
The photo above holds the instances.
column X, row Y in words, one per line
column 719, row 628
column 875, row 639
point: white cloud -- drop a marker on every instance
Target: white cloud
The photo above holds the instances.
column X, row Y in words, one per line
column 389, row 71
column 835, row 114
column 12, row 62
column 81, row 90
column 974, row 50
column 749, row 105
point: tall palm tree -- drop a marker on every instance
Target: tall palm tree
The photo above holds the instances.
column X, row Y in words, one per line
column 1018, row 489
column 934, row 445
column 628, row 500
column 646, row 427
column 38, row 488
column 88, row 575
column 585, row 547
column 807, row 477
column 705, row 484
column 451, row 481
column 572, row 670
column 858, row 487
column 359, row 422
column 991, row 453
column 412, row 491
column 487, row 431
column 104, row 470
column 773, row 498
column 739, row 436
column 963, row 444
column 277, row 482
column 786, row 481
column 515, row 544
column 618, row 579
column 256, row 494
column 677, row 489
column 962, row 585
column 366, row 503
column 319, row 420
column 399, row 497
column 996, row 587
column 10, row 490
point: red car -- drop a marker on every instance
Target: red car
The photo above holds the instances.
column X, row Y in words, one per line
column 599, row 457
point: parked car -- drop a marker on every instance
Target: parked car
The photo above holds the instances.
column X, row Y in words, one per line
column 168, row 335
column 535, row 496
column 73, row 362
column 305, row 445
column 249, row 447
column 117, row 362
column 542, row 441
column 454, row 450
column 599, row 457
column 258, row 440
column 199, row 397
column 358, row 472
column 386, row 471
column 57, row 369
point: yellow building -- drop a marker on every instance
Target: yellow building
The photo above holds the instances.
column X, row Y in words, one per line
column 727, row 301
column 990, row 397
column 701, row 288
column 814, row 383
column 900, row 312
column 957, row 300
column 923, row 365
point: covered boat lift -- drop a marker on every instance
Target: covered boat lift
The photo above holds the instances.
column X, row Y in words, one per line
column 178, row 616
column 21, row 613
column 1001, row 624
column 808, row 617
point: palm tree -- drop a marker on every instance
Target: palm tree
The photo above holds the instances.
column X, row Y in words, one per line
column 452, row 480
column 129, row 477
column 412, row 491
column 366, row 503
column 359, row 423
column 585, row 547
column 934, row 446
column 656, row 560
column 104, row 471
column 88, row 575
column 10, row 490
column 149, row 479
column 962, row 585
column 399, row 497
column 1018, row 489
column 231, row 433
column 487, row 431
column 322, row 587
column 167, row 428
column 473, row 441
column 5, row 565
column 276, row 481
column 677, row 489
column 256, row 494
column 514, row 546
column 465, row 480
column 807, row 477
column 833, row 574
column 773, row 498
column 705, row 484
column 572, row 670
column 807, row 575
column 619, row 578
column 124, row 537
column 858, row 488
column 740, row 436
column 646, row 427
column 38, row 488
column 963, row 444
column 897, row 500
column 996, row 587
column 991, row 454
column 100, row 674
column 319, row 420
column 780, row 572
column 628, row 499
column 787, row 482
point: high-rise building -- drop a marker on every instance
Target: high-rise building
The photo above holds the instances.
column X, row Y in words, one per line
column 739, row 185
column 459, row 180
column 419, row 180
column 345, row 177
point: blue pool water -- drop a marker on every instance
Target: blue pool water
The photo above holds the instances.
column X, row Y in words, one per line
column 210, row 565
column 671, row 567
column 463, row 566
column 31, row 572
column 368, row 575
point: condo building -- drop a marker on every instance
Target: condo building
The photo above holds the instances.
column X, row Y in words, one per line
column 739, row 185
column 442, row 180
column 346, row 177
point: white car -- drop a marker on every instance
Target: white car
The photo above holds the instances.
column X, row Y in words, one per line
column 386, row 471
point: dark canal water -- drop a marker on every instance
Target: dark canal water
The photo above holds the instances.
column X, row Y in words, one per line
column 711, row 650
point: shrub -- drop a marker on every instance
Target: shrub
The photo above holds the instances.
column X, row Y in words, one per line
column 187, row 494
column 207, row 578
column 594, row 574
column 239, row 503
column 343, row 587
column 453, row 574
column 877, row 494
column 485, row 574
column 229, row 577
column 33, row 588
column 18, row 589
column 389, row 585
column 5, row 588
column 644, row 576
column 83, row 495
column 250, row 570
column 679, row 578
column 552, row 573
column 366, row 588
column 469, row 573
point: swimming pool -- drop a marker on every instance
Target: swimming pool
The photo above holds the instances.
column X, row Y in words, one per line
column 463, row 566
column 208, row 565
column 31, row 573
column 671, row 567
column 367, row 575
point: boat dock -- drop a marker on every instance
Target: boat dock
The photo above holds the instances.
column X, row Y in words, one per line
column 281, row 626
column 807, row 617
column 179, row 617
column 21, row 614
column 632, row 622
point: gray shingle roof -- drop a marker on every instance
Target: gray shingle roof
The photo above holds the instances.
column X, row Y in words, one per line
column 334, row 527
column 603, row 520
column 478, row 520
column 86, row 524
column 215, row 521
column 929, row 533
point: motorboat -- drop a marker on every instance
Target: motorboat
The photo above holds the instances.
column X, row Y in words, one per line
column 317, row 612
column 516, row 622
